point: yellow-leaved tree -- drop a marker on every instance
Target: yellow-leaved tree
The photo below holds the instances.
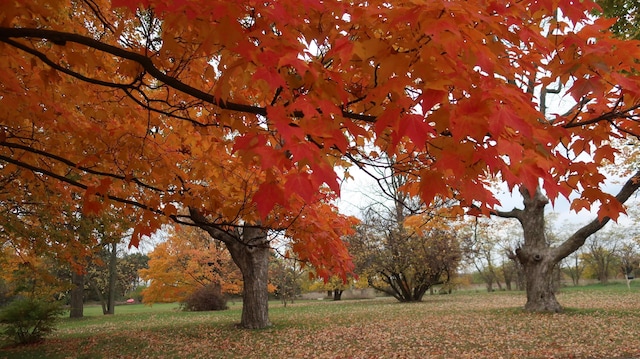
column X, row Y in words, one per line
column 187, row 261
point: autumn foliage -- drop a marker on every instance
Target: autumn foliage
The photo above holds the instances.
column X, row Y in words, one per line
column 185, row 263
column 294, row 100
column 245, row 113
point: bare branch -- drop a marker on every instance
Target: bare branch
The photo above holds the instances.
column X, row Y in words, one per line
column 580, row 236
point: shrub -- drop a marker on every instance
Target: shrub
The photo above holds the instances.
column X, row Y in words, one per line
column 5, row 294
column 29, row 320
column 209, row 297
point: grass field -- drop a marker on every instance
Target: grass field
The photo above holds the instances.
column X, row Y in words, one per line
column 600, row 322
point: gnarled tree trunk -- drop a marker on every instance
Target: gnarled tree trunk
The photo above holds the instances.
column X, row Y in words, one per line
column 538, row 258
column 539, row 285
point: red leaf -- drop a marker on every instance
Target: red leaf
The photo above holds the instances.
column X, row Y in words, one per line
column 104, row 185
column 430, row 98
column 91, row 207
column 248, row 142
column 325, row 174
column 288, row 130
column 146, row 227
column 301, row 184
column 268, row 195
column 582, row 87
column 417, row 129
column 432, row 183
column 273, row 79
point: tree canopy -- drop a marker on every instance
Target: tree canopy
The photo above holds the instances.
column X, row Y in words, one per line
column 147, row 90
column 235, row 116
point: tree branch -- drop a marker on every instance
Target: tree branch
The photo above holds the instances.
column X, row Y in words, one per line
column 201, row 221
column 514, row 213
column 580, row 236
column 83, row 186
column 74, row 165
column 58, row 37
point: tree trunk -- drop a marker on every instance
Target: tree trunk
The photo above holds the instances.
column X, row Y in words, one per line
column 113, row 273
column 536, row 256
column 489, row 282
column 337, row 294
column 103, row 302
column 249, row 248
column 539, row 273
column 253, row 261
column 507, row 283
column 77, row 295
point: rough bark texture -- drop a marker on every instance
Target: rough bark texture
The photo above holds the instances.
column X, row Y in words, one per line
column 538, row 257
column 253, row 261
column 249, row 248
column 76, row 301
column 540, row 286
column 103, row 302
column 113, row 273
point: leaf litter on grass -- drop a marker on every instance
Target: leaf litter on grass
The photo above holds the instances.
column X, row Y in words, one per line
column 463, row 325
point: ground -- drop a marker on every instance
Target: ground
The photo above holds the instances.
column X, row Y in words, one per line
column 600, row 322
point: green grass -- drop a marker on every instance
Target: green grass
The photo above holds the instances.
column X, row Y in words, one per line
column 612, row 286
column 598, row 323
column 96, row 310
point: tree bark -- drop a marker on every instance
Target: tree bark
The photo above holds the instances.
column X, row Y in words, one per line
column 337, row 294
column 113, row 273
column 249, row 248
column 77, row 295
column 536, row 255
column 253, row 261
column 103, row 302
column 539, row 285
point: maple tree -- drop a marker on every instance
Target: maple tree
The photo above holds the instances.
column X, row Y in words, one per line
column 187, row 261
column 239, row 112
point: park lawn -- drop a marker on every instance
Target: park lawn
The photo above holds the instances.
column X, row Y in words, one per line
column 598, row 323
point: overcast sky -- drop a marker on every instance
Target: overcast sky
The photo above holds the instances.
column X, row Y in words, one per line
column 357, row 193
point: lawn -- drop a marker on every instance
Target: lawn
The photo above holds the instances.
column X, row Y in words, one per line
column 600, row 322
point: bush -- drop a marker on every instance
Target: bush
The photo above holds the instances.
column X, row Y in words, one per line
column 29, row 320
column 5, row 294
column 209, row 297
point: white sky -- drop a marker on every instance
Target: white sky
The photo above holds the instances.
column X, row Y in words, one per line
column 358, row 192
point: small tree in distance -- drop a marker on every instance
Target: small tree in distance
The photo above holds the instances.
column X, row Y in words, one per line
column 601, row 256
column 406, row 266
column 285, row 277
column 185, row 263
